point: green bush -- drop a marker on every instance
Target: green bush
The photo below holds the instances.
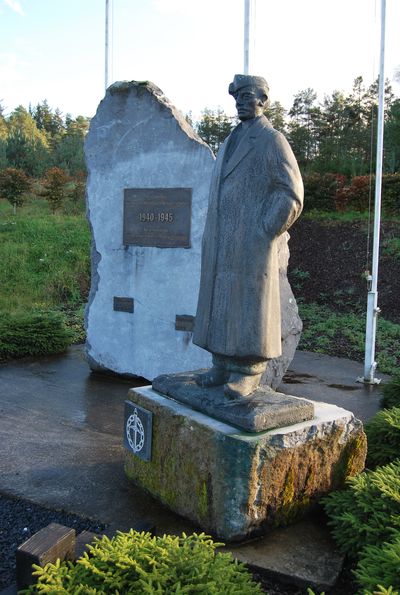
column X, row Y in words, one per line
column 320, row 191
column 379, row 590
column 368, row 511
column 139, row 563
column 391, row 392
column 380, row 565
column 383, row 433
column 32, row 333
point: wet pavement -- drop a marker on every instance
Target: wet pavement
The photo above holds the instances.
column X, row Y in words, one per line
column 62, row 428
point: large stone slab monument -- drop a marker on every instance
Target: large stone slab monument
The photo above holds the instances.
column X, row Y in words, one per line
column 147, row 199
column 218, row 445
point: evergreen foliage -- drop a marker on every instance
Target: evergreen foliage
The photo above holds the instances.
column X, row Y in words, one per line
column 391, row 392
column 214, row 127
column 32, row 333
column 379, row 565
column 139, row 563
column 368, row 511
column 383, row 433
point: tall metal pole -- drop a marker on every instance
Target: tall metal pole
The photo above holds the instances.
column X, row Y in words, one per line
column 107, row 46
column 249, row 15
column 372, row 303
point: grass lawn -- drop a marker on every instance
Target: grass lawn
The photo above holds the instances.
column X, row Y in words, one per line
column 45, row 279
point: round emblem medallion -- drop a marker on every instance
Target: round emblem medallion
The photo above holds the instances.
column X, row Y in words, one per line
column 135, row 432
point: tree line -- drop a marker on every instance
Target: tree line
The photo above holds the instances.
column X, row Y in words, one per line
column 38, row 138
column 334, row 138
column 335, row 135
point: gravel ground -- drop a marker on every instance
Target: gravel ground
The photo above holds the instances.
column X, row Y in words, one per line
column 20, row 519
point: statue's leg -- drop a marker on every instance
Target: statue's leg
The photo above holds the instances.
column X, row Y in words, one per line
column 215, row 376
column 245, row 377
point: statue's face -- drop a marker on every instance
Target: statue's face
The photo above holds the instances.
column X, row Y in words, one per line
column 249, row 103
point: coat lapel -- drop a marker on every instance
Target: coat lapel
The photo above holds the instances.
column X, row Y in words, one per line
column 245, row 145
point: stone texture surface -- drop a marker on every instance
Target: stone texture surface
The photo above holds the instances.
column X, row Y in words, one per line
column 234, row 484
column 263, row 410
column 139, row 140
column 291, row 325
column 303, row 554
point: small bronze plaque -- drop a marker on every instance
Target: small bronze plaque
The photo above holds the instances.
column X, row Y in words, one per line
column 158, row 217
column 184, row 322
column 123, row 304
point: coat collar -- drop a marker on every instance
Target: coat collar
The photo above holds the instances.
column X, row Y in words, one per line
column 245, row 145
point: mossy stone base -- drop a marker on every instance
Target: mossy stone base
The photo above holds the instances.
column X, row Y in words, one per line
column 234, row 484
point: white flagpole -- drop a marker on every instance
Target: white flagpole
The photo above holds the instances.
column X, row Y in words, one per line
column 107, row 46
column 372, row 304
column 249, row 16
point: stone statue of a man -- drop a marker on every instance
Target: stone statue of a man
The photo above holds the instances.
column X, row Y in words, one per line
column 256, row 194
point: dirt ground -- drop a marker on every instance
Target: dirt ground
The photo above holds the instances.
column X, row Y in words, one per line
column 328, row 260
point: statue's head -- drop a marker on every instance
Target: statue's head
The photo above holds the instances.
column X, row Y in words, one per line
column 251, row 95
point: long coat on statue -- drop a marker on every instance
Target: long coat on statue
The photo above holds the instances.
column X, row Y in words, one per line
column 256, row 194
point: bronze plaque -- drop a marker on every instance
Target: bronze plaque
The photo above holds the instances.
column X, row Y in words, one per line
column 184, row 322
column 123, row 304
column 158, row 217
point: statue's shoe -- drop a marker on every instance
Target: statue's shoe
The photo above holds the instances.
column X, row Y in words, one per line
column 241, row 385
column 213, row 377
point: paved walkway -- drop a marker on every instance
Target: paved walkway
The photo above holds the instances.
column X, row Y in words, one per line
column 62, row 426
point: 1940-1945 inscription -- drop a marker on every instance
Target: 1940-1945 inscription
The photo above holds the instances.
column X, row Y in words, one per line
column 158, row 217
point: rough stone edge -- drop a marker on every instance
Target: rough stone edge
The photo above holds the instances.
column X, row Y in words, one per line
column 158, row 94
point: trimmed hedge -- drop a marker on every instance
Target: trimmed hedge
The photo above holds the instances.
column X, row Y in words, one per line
column 139, row 563
column 383, row 433
column 368, row 511
column 380, row 565
column 333, row 192
column 33, row 333
column 391, row 392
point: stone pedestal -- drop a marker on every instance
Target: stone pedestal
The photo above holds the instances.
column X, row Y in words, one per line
column 233, row 483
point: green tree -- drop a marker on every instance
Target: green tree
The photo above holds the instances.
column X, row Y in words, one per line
column 14, row 184
column 46, row 120
column 55, row 187
column 214, row 127
column 276, row 114
column 69, row 152
column 27, row 147
column 302, row 129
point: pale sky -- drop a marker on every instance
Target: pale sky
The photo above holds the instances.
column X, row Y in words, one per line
column 54, row 49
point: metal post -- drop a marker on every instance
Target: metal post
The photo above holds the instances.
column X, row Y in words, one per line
column 249, row 15
column 107, row 46
column 372, row 304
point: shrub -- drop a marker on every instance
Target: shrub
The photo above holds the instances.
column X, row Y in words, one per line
column 55, row 187
column 32, row 333
column 380, row 565
column 391, row 194
column 383, row 433
column 391, row 392
column 139, row 563
column 379, row 590
column 368, row 511
column 14, row 184
column 321, row 191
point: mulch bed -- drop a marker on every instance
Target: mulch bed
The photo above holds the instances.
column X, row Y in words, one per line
column 334, row 255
